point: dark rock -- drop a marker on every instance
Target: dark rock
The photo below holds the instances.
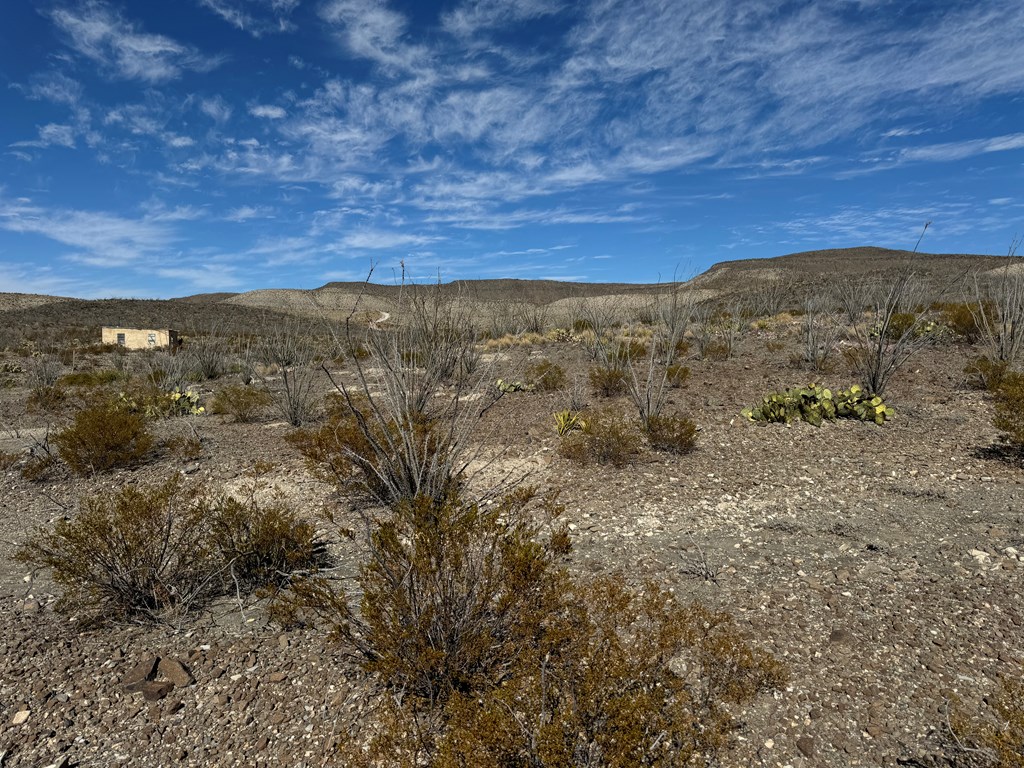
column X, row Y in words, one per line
column 806, row 745
column 156, row 690
column 142, row 672
column 176, row 672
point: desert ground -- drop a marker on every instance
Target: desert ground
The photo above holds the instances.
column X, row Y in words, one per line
column 882, row 564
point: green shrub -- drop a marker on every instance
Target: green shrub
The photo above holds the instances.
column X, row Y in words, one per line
column 987, row 374
column 608, row 380
column 677, row 375
column 546, row 376
column 605, row 439
column 91, row 378
column 139, row 552
column 244, row 403
column 391, row 458
column 815, row 404
column 673, row 434
column 1009, row 408
column 152, row 552
column 627, row 350
column 46, row 399
column 964, row 318
column 103, row 436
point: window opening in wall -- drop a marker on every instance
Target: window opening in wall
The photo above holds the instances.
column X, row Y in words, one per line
column 151, row 340
column 120, row 339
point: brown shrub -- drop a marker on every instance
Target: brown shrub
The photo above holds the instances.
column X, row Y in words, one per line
column 152, row 552
column 244, row 403
column 139, row 552
column 984, row 373
column 677, row 375
column 673, row 434
column 608, row 380
column 605, row 439
column 103, row 436
column 546, row 376
column 1009, row 405
column 611, row 676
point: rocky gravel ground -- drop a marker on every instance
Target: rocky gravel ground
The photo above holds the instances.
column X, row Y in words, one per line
column 883, row 565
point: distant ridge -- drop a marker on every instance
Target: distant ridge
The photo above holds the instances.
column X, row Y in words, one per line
column 803, row 273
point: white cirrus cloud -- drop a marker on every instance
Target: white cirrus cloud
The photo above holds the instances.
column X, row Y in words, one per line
column 257, row 17
column 100, row 33
column 268, row 111
column 103, row 239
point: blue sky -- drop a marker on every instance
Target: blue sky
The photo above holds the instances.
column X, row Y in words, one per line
column 158, row 149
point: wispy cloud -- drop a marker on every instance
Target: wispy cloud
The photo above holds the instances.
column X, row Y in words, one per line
column 257, row 17
column 369, row 29
column 100, row 33
column 51, row 135
column 101, row 239
column 268, row 111
column 381, row 240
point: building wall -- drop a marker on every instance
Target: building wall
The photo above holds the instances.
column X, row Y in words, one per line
column 140, row 338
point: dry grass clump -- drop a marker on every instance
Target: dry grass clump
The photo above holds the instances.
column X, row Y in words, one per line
column 605, row 438
column 995, row 739
column 154, row 552
column 103, row 436
column 92, row 378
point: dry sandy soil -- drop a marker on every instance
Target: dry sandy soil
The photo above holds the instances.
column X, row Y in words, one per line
column 883, row 565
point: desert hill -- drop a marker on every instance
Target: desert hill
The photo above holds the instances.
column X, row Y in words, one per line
column 238, row 312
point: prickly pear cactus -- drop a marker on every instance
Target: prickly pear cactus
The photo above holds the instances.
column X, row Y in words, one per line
column 816, row 404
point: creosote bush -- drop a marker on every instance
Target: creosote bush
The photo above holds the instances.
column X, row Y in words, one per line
column 984, row 373
column 605, row 438
column 502, row 659
column 244, row 403
column 1009, row 407
column 103, row 436
column 608, row 380
column 386, row 454
column 673, row 434
column 155, row 552
column 546, row 376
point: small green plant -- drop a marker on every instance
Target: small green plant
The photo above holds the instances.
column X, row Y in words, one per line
column 153, row 402
column 672, row 434
column 608, row 380
column 244, row 403
column 816, row 404
column 513, row 386
column 546, row 376
column 567, row 421
column 103, row 436
column 605, row 438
